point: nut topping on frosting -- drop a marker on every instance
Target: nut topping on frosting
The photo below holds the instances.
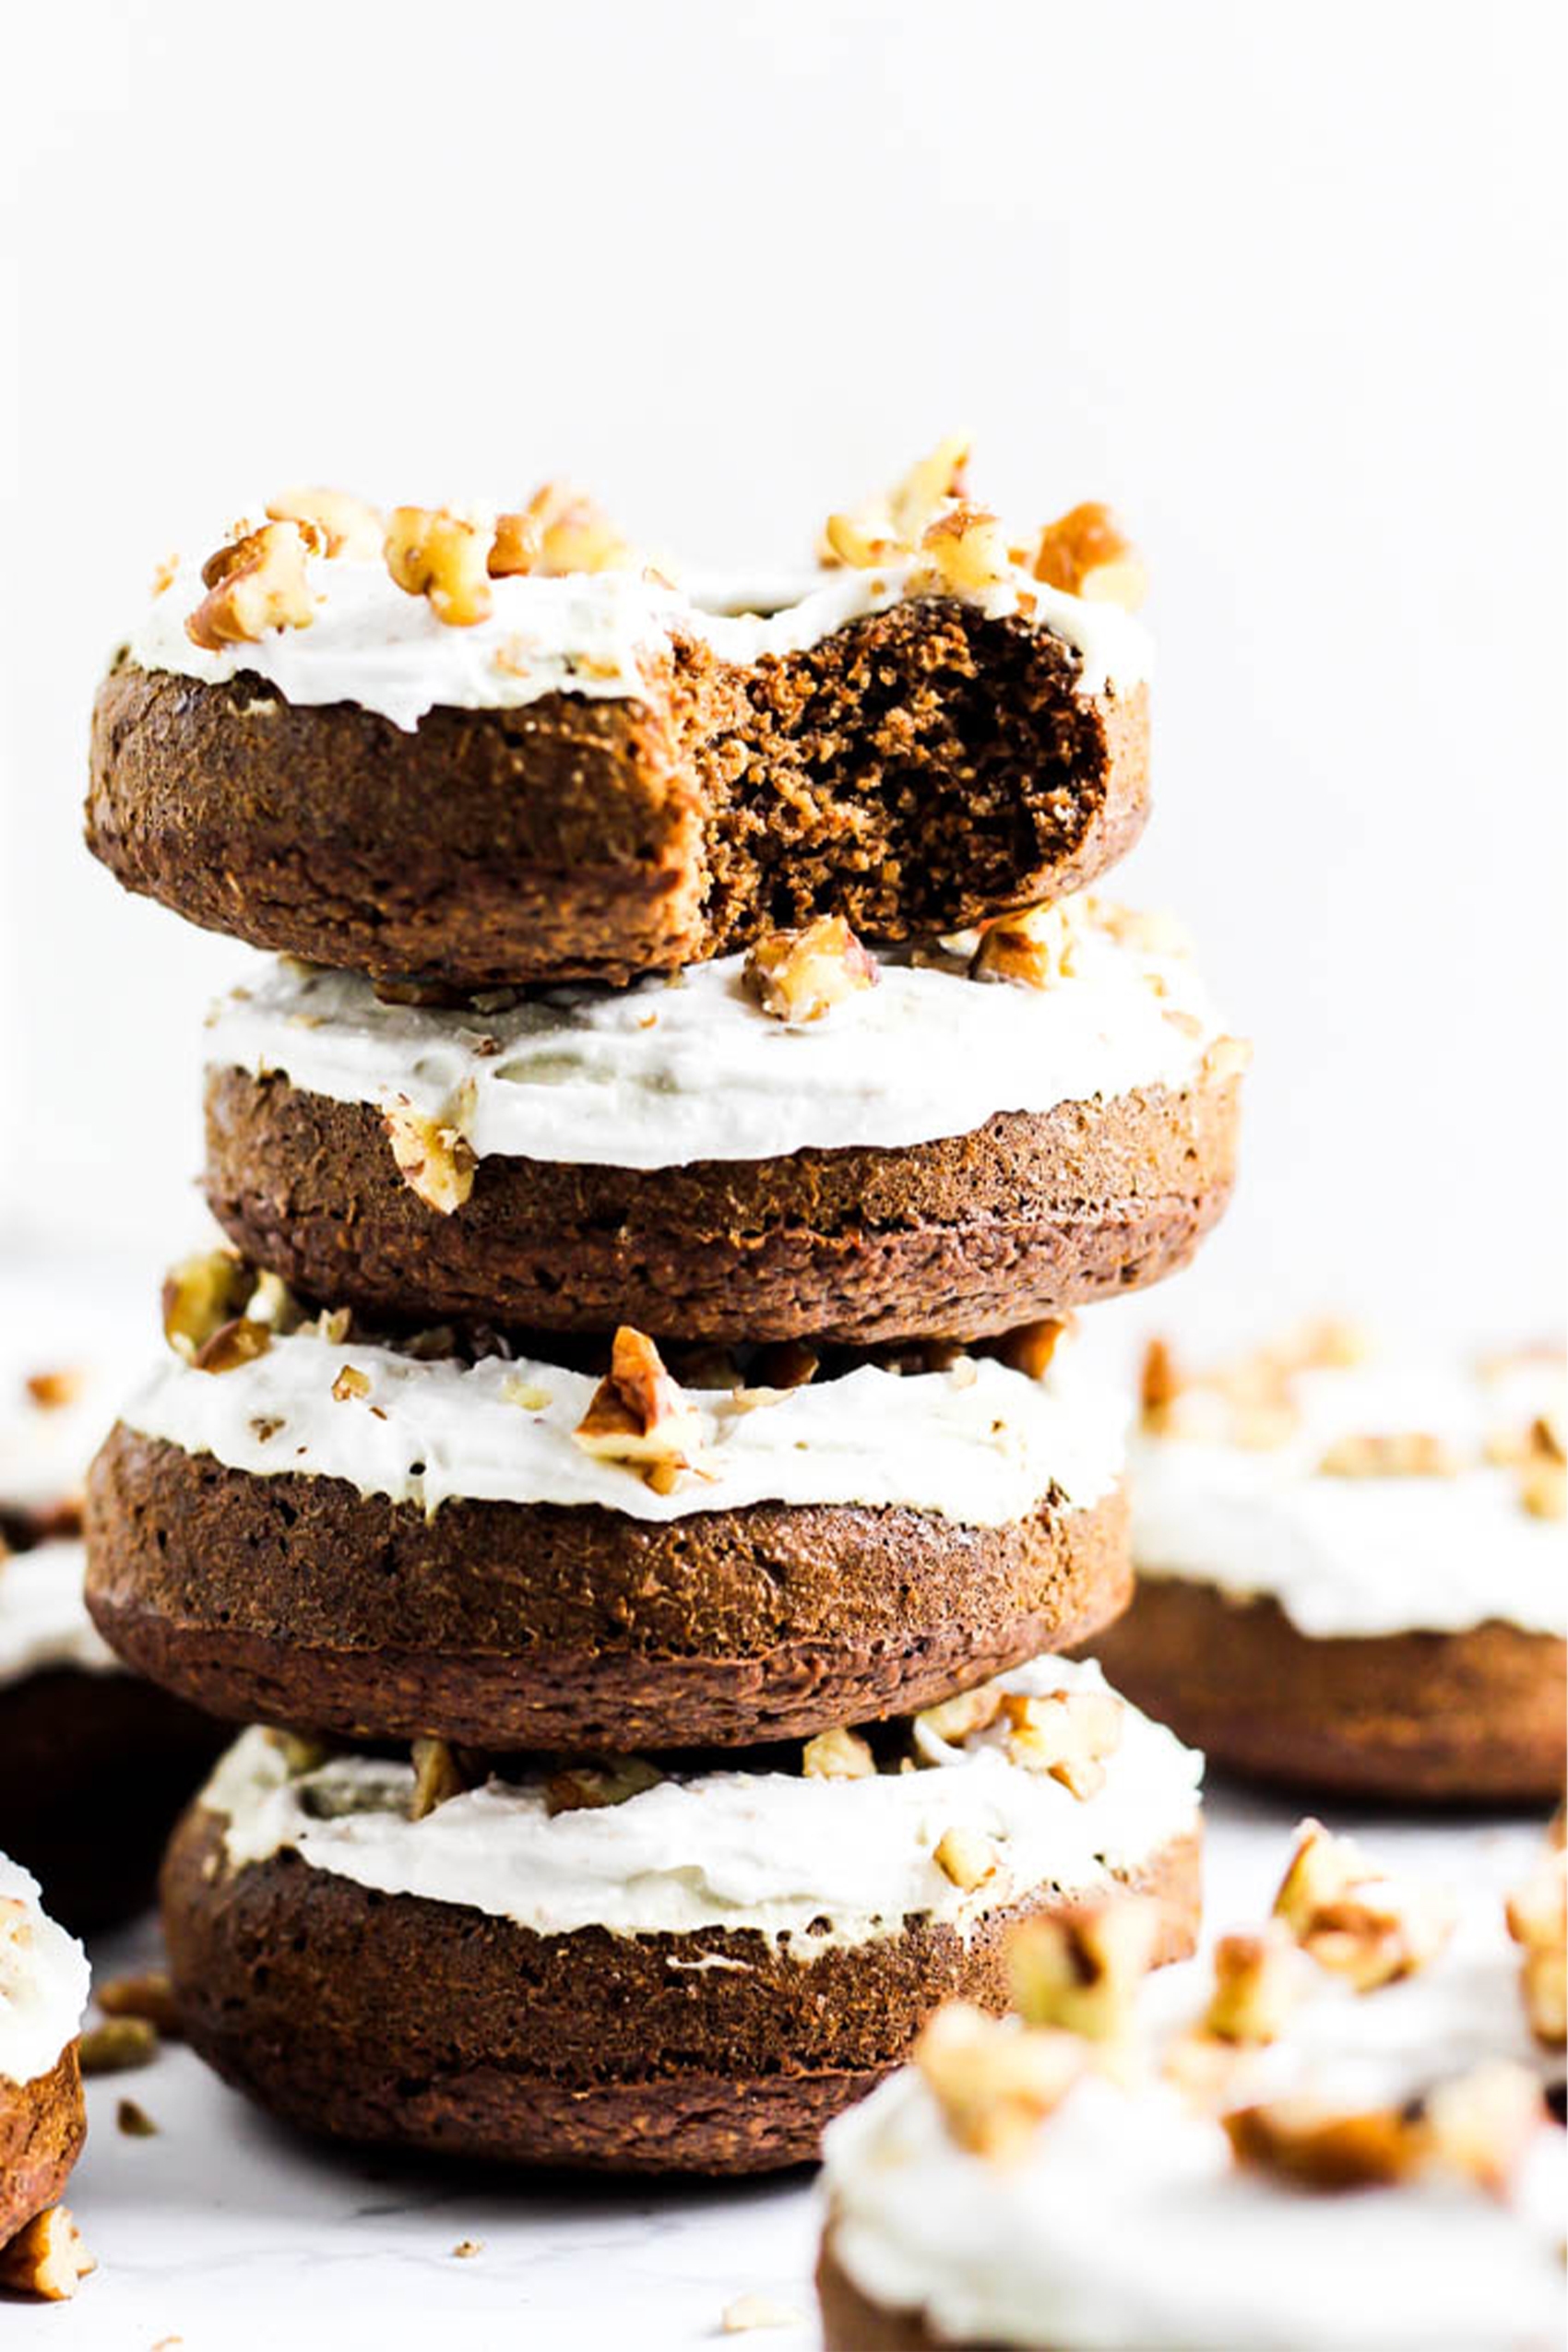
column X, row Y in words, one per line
column 433, row 1156
column 436, row 1778
column 1082, row 1973
column 1068, row 1734
column 1352, row 1918
column 349, row 527
column 199, row 1295
column 588, row 1787
column 1036, row 948
column 1537, row 1920
column 995, row 2080
column 443, row 557
column 638, row 1416
column 557, row 532
column 800, row 975
column 1085, row 552
column 1477, row 2125
column 1258, row 1980
column 966, row 1857
column 954, row 1719
column 1400, row 1453
column 47, row 2259
column 838, row 1755
column 256, row 583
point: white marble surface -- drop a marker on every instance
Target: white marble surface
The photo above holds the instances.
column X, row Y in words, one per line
column 225, row 2233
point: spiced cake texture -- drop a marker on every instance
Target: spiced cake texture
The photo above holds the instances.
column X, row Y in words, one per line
column 967, row 1236
column 914, row 771
column 391, row 2018
column 852, row 2323
column 1473, row 1717
column 294, row 1600
column 43, row 2127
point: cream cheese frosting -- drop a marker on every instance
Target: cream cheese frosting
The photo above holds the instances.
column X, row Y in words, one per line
column 592, row 634
column 43, row 1979
column 1126, row 2224
column 674, row 1071
column 43, row 1619
column 981, row 1444
column 1363, row 1556
column 819, row 1861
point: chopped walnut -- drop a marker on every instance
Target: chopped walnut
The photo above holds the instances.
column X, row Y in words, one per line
column 954, row 1719
column 256, row 583
column 118, row 2046
column 1225, row 1058
column 787, row 1363
column 148, row 1995
column 968, row 549
column 996, row 2081
column 748, row 2312
column 437, row 1777
column 1480, row 2124
column 1257, row 1983
column 526, row 1393
column 351, row 1383
column 1035, row 949
column 1398, row 1454
column 1314, row 2146
column 51, row 1390
column 133, row 2120
column 838, row 1755
column 1354, row 1921
column 1537, row 1921
column 557, row 532
column 47, row 2258
column 1159, row 1385
column 966, row 1857
column 1147, row 931
column 638, row 1416
column 432, row 553
column 200, row 1295
column 586, row 1788
column 800, row 975
column 1029, row 1347
column 231, row 1345
column 1082, row 1973
column 863, row 541
column 1086, row 554
column 930, row 484
column 1543, row 1489
column 1068, row 1734
column 433, row 1156
column 347, row 526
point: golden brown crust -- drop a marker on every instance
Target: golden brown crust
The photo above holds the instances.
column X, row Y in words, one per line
column 431, row 2025
column 914, row 772
column 296, row 1601
column 1027, row 1216
column 1469, row 1717
column 42, row 2126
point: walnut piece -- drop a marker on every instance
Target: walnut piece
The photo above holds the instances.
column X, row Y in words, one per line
column 1086, row 553
column 966, row 548
column 1543, row 1489
column 231, row 1345
column 255, row 583
column 51, row 1390
column 1035, row 949
column 995, row 2080
column 351, row 1383
column 119, row 2046
column 748, row 2312
column 1068, row 1734
column 639, row 1417
column 200, row 1295
column 1029, row 1347
column 930, row 484
column 1258, row 1981
column 347, row 527
column 840, row 1754
column 437, row 1777
column 1352, row 1919
column 951, row 1720
column 434, row 1156
column 1537, row 1921
column 557, row 532
column 966, row 1857
column 47, row 2258
column 1082, row 1973
column 1476, row 2125
column 1395, row 1454
column 432, row 553
column 585, row 1788
column 147, row 1994
column 800, row 975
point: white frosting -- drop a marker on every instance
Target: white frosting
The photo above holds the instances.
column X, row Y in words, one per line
column 667, row 1072
column 981, row 1444
column 44, row 1450
column 587, row 633
column 43, row 1619
column 1352, row 1556
column 1126, row 2224
column 821, row 1861
column 43, row 1983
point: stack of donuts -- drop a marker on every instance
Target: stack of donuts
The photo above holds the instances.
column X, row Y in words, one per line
column 634, row 1467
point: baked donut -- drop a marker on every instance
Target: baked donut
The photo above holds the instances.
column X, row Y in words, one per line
column 43, row 1987
column 612, row 1969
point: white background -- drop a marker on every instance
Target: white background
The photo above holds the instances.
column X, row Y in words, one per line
column 1285, row 282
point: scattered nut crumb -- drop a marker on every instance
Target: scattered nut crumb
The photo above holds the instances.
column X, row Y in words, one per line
column 1068, row 1734
column 1399, row 1453
column 1537, row 1921
column 838, row 1755
column 148, row 1995
column 638, row 1416
column 119, row 2045
column 757, row 2310
column 1035, row 949
column 1082, row 1972
column 436, row 1778
column 467, row 2248
column 231, row 1345
column 50, row 1390
column 47, row 2258
column 434, row 1156
column 351, row 1383
column 969, row 1711
column 966, row 1857
column 134, row 2121
column 799, row 976
column 610, row 1781
column 1086, row 554
column 1029, row 1347
column 1258, row 1980
column 994, row 2079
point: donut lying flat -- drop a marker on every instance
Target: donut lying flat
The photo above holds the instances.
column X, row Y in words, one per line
column 1385, row 2172
column 659, row 782
column 94, row 1765
column 1358, row 1579
column 340, row 1536
column 936, row 1153
column 693, row 1978
column 43, row 1987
